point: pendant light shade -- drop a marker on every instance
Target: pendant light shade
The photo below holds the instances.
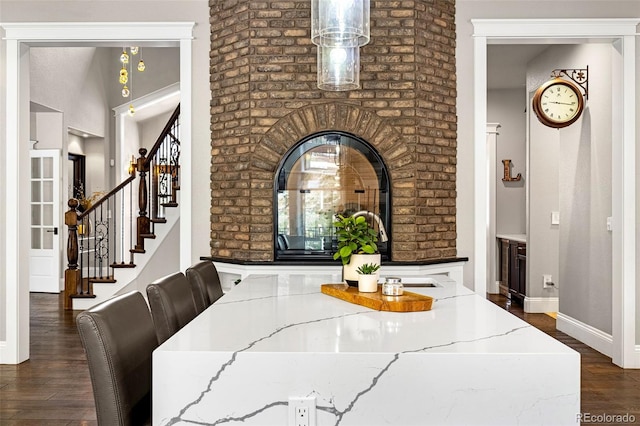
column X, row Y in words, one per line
column 338, row 68
column 342, row 23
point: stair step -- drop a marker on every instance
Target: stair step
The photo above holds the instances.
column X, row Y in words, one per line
column 151, row 236
column 82, row 296
column 170, row 204
column 123, row 265
column 159, row 220
column 102, row 280
column 135, row 250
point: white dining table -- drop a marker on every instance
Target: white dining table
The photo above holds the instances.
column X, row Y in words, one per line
column 276, row 337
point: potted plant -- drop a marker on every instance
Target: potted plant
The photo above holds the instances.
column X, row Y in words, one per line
column 356, row 245
column 368, row 278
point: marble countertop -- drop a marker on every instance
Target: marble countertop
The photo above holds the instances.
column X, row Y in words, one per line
column 274, row 337
column 271, row 313
column 521, row 238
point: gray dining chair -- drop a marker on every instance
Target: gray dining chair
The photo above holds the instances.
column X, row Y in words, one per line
column 118, row 338
column 172, row 304
column 205, row 284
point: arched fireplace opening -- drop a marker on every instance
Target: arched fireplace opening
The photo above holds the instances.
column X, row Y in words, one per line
column 325, row 174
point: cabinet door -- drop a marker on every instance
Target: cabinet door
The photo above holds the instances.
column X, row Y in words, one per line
column 517, row 270
column 522, row 269
column 514, row 275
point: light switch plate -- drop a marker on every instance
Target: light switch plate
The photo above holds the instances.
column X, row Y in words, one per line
column 555, row 218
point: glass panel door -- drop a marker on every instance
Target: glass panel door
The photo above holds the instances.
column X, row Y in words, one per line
column 44, row 268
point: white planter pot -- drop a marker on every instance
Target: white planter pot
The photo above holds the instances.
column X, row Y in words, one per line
column 349, row 271
column 367, row 283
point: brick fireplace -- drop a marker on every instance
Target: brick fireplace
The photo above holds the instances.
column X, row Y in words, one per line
column 265, row 100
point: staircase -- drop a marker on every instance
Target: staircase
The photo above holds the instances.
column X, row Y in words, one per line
column 111, row 241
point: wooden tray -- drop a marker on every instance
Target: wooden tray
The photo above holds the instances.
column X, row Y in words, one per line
column 408, row 302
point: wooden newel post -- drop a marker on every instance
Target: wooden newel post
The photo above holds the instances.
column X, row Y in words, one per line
column 72, row 276
column 143, row 200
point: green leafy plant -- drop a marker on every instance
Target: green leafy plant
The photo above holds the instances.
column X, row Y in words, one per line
column 368, row 268
column 355, row 236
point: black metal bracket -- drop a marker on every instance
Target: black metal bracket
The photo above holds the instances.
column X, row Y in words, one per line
column 580, row 76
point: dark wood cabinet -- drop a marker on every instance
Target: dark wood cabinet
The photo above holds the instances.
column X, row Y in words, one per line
column 513, row 269
column 517, row 270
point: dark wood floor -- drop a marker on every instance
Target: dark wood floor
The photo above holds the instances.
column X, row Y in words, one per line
column 54, row 388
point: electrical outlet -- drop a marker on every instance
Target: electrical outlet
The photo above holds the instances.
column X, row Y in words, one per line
column 302, row 411
column 547, row 282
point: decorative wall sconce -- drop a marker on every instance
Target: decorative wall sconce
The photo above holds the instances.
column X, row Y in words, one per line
column 339, row 28
column 507, row 173
column 132, row 165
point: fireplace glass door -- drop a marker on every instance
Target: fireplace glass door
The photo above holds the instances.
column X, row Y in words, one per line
column 322, row 176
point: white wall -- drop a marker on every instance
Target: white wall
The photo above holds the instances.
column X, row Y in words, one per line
column 582, row 191
column 543, row 243
column 94, row 150
column 75, row 144
column 49, row 130
column 150, row 129
column 507, row 107
column 71, row 80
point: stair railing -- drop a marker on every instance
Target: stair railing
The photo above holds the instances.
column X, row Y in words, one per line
column 98, row 236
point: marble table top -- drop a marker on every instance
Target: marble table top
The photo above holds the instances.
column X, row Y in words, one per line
column 271, row 313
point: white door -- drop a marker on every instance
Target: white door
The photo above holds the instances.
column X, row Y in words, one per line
column 44, row 255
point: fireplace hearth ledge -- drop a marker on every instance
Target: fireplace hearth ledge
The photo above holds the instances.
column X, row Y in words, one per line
column 232, row 270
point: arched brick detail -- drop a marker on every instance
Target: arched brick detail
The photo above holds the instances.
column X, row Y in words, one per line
column 334, row 116
column 396, row 152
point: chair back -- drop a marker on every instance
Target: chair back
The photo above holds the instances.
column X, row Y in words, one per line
column 205, row 284
column 172, row 304
column 118, row 338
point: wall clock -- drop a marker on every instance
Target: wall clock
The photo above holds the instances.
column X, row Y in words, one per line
column 558, row 103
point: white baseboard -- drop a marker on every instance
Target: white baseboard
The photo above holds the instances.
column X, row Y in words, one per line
column 591, row 336
column 540, row 305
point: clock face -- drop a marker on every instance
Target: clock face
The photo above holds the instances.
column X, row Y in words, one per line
column 558, row 103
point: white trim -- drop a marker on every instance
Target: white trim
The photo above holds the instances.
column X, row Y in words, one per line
column 541, row 305
column 453, row 270
column 625, row 216
column 148, row 99
column 16, row 346
column 493, row 286
column 480, row 166
column 554, row 28
column 49, row 32
column 623, row 158
column 186, row 131
column 19, row 37
column 597, row 339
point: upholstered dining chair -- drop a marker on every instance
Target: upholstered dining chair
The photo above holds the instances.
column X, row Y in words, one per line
column 172, row 304
column 118, row 338
column 205, row 284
